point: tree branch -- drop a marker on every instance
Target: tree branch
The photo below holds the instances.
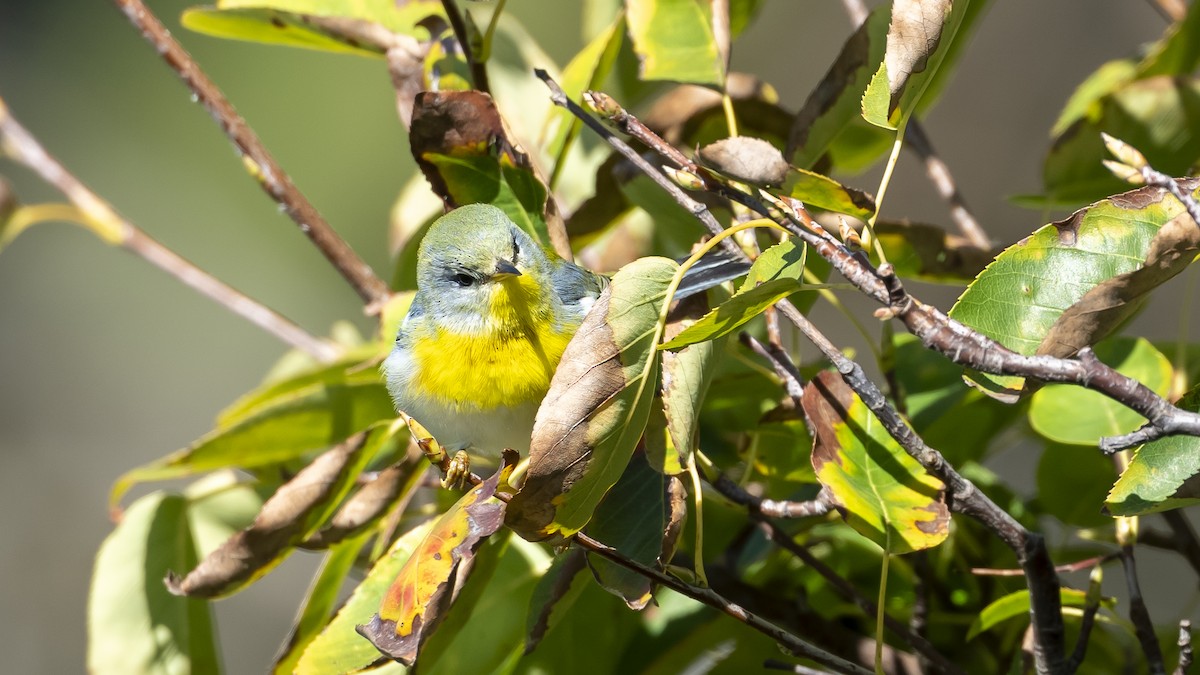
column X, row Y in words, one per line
column 21, row 145
column 479, row 76
column 1140, row 615
column 1185, row 647
column 261, row 165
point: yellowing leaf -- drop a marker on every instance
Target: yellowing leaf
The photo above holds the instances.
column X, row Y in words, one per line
column 882, row 492
column 673, row 40
column 597, row 406
column 1161, row 475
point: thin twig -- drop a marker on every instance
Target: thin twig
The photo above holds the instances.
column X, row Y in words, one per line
column 796, row 668
column 1140, row 615
column 21, row 145
column 1088, row 621
column 1184, row 539
column 771, row 507
column 261, row 165
column 1077, row 566
column 479, row 76
column 1159, row 179
column 1171, row 10
column 1185, row 648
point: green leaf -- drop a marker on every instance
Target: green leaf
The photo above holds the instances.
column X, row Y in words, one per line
column 1085, row 100
column 321, row 602
column 773, row 276
column 1072, row 482
column 354, row 367
column 339, row 648
column 1177, row 52
column 919, row 41
column 553, row 596
column 673, row 40
column 1159, row 477
column 826, row 193
column 597, row 406
column 1074, row 415
column 485, row 179
column 929, row 253
column 289, row 426
column 1016, row 604
column 1071, row 283
column 883, row 493
column 134, row 624
column 641, row 517
column 687, row 375
column 296, row 23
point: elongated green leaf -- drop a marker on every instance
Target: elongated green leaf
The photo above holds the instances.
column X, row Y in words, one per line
column 355, row 367
column 134, row 624
column 553, row 596
column 339, row 648
column 640, row 517
column 1017, row 604
column 884, row 494
column 674, row 40
column 321, row 602
column 773, row 276
column 1070, row 414
column 298, row 23
column 290, row 426
column 1071, row 283
column 1161, row 475
column 824, row 192
column 597, row 406
column 919, row 39
column 686, row 375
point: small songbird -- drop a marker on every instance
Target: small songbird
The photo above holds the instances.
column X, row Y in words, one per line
column 488, row 324
column 491, row 317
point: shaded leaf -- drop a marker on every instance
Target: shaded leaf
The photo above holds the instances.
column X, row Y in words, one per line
column 293, row 513
column 553, row 596
column 320, row 603
column 1072, row 482
column 426, row 585
column 127, row 597
column 673, row 40
column 884, row 494
column 1072, row 282
column 686, row 376
column 1016, row 604
column 1070, row 414
column 372, row 501
column 773, row 276
column 459, row 141
column 1161, row 475
column 929, row 253
column 598, row 404
column 746, row 159
column 641, row 517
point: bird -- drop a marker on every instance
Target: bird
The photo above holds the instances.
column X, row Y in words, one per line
column 490, row 319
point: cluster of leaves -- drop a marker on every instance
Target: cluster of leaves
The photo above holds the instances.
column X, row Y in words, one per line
column 322, row 463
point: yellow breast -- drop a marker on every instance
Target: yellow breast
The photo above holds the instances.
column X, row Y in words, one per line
column 510, row 362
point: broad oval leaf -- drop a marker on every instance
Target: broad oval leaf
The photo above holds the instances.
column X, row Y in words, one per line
column 883, row 493
column 1070, row 414
column 1070, row 283
column 674, row 40
column 597, row 406
column 127, row 596
column 1161, row 475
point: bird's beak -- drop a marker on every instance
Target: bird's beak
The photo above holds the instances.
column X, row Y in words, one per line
column 505, row 270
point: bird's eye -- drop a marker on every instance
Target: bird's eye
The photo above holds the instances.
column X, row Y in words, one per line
column 463, row 279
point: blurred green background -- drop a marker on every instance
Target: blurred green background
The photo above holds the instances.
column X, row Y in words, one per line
column 106, row 363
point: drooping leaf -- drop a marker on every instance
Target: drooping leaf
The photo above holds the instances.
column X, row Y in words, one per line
column 289, row 426
column 1162, row 474
column 292, row 514
column 773, row 276
column 746, row 159
column 920, row 39
column 673, row 40
column 597, row 406
column 1072, row 282
column 586, row 615
column 371, row 502
column 134, row 624
column 686, row 376
column 1072, row 482
column 883, row 493
column 320, row 603
column 641, row 517
column 314, row 24
column 356, row 366
column 1070, row 414
column 824, row 192
column 929, row 253
column 426, row 585
column 1016, row 604
column 554, row 594
column 459, row 141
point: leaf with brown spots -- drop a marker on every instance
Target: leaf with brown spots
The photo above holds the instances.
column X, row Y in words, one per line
column 429, row 581
column 1071, row 283
column 882, row 492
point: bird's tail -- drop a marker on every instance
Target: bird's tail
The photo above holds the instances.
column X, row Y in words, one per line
column 715, row 268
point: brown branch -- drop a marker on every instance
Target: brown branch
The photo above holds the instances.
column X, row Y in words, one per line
column 1184, row 539
column 261, row 165
column 1171, row 10
column 1077, row 566
column 479, row 76
column 1185, row 648
column 1088, row 621
column 21, row 145
column 1140, row 615
column 771, row 507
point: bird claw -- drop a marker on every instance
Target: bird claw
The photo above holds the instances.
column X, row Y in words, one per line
column 458, row 470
